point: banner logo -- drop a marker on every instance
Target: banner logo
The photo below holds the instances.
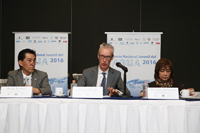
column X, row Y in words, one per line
column 27, row 37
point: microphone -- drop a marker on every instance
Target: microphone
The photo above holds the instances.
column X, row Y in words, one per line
column 122, row 67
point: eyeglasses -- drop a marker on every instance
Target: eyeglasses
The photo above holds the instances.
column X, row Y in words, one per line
column 105, row 57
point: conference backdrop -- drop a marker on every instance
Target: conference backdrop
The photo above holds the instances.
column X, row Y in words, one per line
column 139, row 52
column 51, row 54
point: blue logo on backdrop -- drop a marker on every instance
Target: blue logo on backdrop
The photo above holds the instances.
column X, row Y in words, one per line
column 17, row 41
column 42, row 61
column 136, row 85
column 110, row 42
column 127, row 62
column 58, row 82
column 29, row 41
column 53, row 41
column 132, row 43
column 121, row 43
column 39, row 41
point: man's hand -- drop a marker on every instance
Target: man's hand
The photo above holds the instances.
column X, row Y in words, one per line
column 113, row 92
column 35, row 90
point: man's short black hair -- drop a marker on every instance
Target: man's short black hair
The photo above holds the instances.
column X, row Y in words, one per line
column 22, row 54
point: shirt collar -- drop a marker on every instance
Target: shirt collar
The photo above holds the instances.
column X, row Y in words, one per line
column 100, row 71
column 24, row 75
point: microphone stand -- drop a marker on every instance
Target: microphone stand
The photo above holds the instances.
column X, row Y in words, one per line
column 124, row 83
column 124, row 94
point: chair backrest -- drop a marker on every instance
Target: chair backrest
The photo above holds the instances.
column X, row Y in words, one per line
column 3, row 82
column 77, row 76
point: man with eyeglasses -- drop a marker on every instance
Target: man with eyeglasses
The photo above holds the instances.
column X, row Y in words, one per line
column 103, row 75
column 27, row 75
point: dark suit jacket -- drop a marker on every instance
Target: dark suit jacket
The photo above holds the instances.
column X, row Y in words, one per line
column 39, row 80
column 90, row 75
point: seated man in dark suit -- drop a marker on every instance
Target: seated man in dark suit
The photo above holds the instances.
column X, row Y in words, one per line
column 27, row 75
column 103, row 75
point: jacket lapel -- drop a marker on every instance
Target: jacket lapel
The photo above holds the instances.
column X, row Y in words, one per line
column 34, row 79
column 20, row 78
column 109, row 80
column 94, row 76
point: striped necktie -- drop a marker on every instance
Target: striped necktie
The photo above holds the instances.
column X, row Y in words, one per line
column 103, row 83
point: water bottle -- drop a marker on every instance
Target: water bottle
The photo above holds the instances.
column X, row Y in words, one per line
column 73, row 84
column 145, row 91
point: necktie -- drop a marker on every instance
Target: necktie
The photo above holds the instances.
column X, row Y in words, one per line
column 103, row 83
column 27, row 81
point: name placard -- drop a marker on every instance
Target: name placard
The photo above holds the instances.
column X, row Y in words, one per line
column 16, row 91
column 87, row 92
column 162, row 93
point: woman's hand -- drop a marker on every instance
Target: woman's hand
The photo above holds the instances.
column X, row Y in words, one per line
column 141, row 94
column 191, row 91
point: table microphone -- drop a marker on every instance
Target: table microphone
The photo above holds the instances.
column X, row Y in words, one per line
column 122, row 67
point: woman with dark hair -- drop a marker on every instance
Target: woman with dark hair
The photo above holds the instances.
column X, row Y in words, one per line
column 164, row 74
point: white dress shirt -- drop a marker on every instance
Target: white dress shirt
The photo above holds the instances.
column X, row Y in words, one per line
column 27, row 79
column 100, row 77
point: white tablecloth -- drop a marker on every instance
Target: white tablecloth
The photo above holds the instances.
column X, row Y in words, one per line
column 51, row 115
